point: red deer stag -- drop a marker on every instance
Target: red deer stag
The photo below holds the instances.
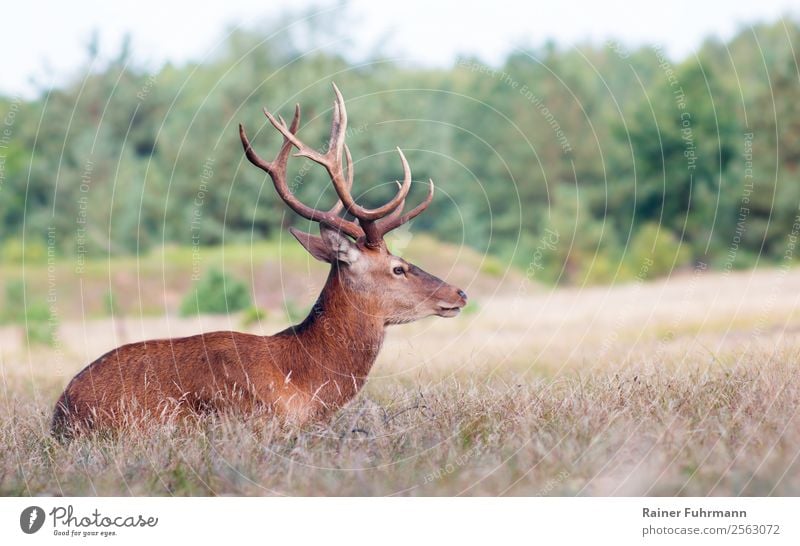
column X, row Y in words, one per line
column 306, row 371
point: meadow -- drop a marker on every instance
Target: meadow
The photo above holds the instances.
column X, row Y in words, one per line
column 681, row 386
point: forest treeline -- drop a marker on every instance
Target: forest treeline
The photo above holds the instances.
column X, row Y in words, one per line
column 577, row 164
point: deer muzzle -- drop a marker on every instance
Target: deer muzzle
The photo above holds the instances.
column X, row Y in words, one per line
column 451, row 308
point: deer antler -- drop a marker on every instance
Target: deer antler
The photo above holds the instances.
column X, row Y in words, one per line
column 373, row 224
column 277, row 171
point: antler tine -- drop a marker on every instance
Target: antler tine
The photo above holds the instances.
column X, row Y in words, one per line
column 370, row 215
column 286, row 147
column 277, row 171
column 337, row 208
column 331, row 159
column 280, row 125
column 395, row 220
column 254, row 158
column 396, row 212
column 339, row 125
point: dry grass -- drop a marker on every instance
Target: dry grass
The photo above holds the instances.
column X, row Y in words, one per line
column 689, row 386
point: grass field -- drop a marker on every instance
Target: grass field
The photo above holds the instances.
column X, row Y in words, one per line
column 686, row 386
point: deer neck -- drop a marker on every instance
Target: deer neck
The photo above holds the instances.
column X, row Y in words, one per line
column 342, row 334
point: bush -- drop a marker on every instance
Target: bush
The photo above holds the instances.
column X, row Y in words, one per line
column 253, row 315
column 600, row 269
column 471, row 308
column 39, row 329
column 493, row 267
column 653, row 252
column 14, row 304
column 216, row 293
column 33, row 251
column 34, row 317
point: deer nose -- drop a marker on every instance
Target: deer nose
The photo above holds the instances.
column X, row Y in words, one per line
column 462, row 294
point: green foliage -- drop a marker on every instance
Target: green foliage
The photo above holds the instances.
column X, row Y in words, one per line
column 40, row 328
column 597, row 143
column 14, row 304
column 253, row 315
column 493, row 267
column 602, row 269
column 656, row 251
column 216, row 293
column 471, row 308
column 32, row 314
column 14, row 251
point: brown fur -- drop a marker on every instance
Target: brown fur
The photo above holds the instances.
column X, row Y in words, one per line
column 300, row 374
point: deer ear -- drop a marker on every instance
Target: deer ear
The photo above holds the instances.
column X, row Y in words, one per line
column 340, row 247
column 313, row 244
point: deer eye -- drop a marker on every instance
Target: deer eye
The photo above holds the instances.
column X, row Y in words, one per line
column 399, row 271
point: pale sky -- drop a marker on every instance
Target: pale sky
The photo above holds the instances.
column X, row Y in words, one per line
column 47, row 40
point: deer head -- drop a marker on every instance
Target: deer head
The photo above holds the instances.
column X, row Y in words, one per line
column 380, row 282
